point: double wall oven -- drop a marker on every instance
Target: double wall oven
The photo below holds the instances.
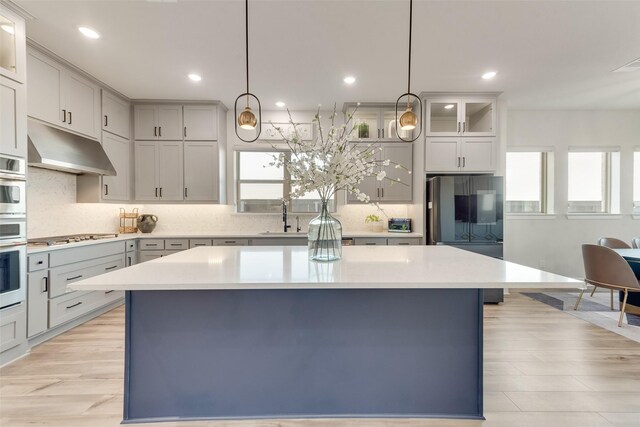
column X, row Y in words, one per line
column 13, row 233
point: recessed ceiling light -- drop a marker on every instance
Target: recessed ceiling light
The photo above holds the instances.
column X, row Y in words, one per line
column 195, row 77
column 349, row 80
column 280, row 104
column 449, row 106
column 489, row 75
column 88, row 32
column 8, row 28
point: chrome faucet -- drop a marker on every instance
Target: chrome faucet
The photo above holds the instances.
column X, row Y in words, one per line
column 284, row 217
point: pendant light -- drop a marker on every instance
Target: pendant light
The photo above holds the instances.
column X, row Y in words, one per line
column 247, row 119
column 408, row 120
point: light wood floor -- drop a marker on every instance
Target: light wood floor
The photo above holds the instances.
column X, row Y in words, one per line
column 543, row 368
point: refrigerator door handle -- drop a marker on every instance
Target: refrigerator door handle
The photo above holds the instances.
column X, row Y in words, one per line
column 434, row 216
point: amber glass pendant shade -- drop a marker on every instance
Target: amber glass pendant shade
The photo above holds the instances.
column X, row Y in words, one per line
column 408, row 120
column 247, row 120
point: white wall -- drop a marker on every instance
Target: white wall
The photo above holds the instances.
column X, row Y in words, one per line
column 553, row 244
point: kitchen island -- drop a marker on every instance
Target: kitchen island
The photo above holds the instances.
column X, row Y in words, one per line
column 261, row 332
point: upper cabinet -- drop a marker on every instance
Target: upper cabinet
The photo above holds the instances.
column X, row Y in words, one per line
column 461, row 117
column 200, row 122
column 12, row 46
column 61, row 97
column 158, row 122
column 13, row 118
column 376, row 123
column 116, row 115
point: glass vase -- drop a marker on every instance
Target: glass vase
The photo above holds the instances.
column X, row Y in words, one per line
column 325, row 237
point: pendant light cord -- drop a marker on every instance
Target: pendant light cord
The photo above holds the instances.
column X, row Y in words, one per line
column 246, row 38
column 410, row 27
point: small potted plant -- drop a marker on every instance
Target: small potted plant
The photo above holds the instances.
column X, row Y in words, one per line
column 375, row 223
column 363, row 130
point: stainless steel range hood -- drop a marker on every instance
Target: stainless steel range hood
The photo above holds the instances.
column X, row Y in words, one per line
column 56, row 149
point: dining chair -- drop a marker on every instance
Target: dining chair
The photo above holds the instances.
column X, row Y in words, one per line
column 635, row 242
column 613, row 243
column 605, row 268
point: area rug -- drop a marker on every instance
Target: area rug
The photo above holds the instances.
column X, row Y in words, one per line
column 595, row 310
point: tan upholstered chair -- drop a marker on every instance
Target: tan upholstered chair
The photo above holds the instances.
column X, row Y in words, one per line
column 607, row 269
column 636, row 243
column 613, row 243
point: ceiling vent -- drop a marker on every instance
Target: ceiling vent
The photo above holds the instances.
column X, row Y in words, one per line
column 631, row 66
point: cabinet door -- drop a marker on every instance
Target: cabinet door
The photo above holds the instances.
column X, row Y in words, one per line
column 442, row 155
column 131, row 258
column 200, row 122
column 145, row 256
column 37, row 302
column 115, row 115
column 146, row 170
column 145, row 126
column 370, row 185
column 13, row 124
column 117, row 148
column 44, row 94
column 478, row 154
column 12, row 46
column 170, row 170
column 201, row 171
column 82, row 102
column 443, row 117
column 366, row 125
column 398, row 184
column 389, row 124
column 170, row 122
column 478, row 117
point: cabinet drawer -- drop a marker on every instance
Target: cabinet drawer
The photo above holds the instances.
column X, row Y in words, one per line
column 230, row 242
column 38, row 261
column 107, row 297
column 176, row 244
column 65, row 275
column 131, row 245
column 68, row 307
column 144, row 256
column 194, row 243
column 151, row 244
column 369, row 241
column 403, row 241
column 83, row 253
column 13, row 327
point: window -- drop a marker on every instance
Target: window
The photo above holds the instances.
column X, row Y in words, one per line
column 636, row 182
column 589, row 182
column 261, row 186
column 526, row 182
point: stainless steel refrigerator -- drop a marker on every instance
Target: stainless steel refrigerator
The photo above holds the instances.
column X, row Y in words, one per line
column 466, row 211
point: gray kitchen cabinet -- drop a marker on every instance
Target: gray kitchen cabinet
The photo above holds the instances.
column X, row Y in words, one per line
column 144, row 256
column 403, row 241
column 151, row 244
column 390, row 190
column 37, row 300
column 454, row 116
column 118, row 149
column 116, row 115
column 157, row 122
column 201, row 171
column 176, row 244
column 463, row 155
column 70, row 306
column 376, row 122
column 65, row 275
column 13, row 328
column 159, row 170
column 14, row 48
column 131, row 258
column 13, row 120
column 369, row 241
column 391, row 241
column 194, row 243
column 230, row 242
column 62, row 97
column 281, row 241
column 200, row 122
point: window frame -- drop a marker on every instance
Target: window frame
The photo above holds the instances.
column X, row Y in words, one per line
column 545, row 181
column 635, row 174
column 606, row 180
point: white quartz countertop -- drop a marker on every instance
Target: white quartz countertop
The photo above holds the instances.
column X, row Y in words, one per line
column 221, row 235
column 288, row 267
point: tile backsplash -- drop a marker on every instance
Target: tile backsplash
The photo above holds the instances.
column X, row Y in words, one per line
column 52, row 210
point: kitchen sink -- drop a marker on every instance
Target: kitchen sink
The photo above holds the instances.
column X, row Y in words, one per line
column 282, row 233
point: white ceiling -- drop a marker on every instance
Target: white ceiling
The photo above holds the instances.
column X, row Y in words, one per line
column 548, row 54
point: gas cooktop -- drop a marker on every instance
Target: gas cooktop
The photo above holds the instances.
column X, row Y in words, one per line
column 63, row 240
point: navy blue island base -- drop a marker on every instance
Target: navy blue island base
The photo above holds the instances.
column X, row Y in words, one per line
column 303, row 353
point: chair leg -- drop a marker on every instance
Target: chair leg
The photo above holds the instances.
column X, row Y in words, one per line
column 624, row 305
column 575, row 307
column 594, row 290
column 611, row 299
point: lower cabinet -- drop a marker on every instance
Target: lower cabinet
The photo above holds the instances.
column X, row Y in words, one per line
column 38, row 298
column 13, row 327
column 145, row 256
column 391, row 241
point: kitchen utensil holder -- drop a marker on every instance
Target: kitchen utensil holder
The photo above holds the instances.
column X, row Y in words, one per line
column 128, row 221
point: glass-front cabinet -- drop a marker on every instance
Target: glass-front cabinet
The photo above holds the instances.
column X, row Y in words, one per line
column 376, row 123
column 12, row 45
column 461, row 117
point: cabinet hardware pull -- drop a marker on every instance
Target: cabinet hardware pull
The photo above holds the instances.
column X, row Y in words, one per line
column 159, row 130
column 40, row 262
column 107, row 292
column 186, row 192
column 106, row 120
column 458, row 161
column 74, row 305
column 458, row 127
column 175, row 244
column 185, row 131
column 45, row 282
column 230, row 241
column 155, row 131
column 464, row 161
column 464, row 127
column 151, row 244
column 402, row 244
column 111, row 268
column 382, row 190
column 106, row 189
column 64, row 116
column 74, row 278
column 70, row 117
column 156, row 191
column 370, row 244
column 382, row 133
column 128, row 261
column 160, row 191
